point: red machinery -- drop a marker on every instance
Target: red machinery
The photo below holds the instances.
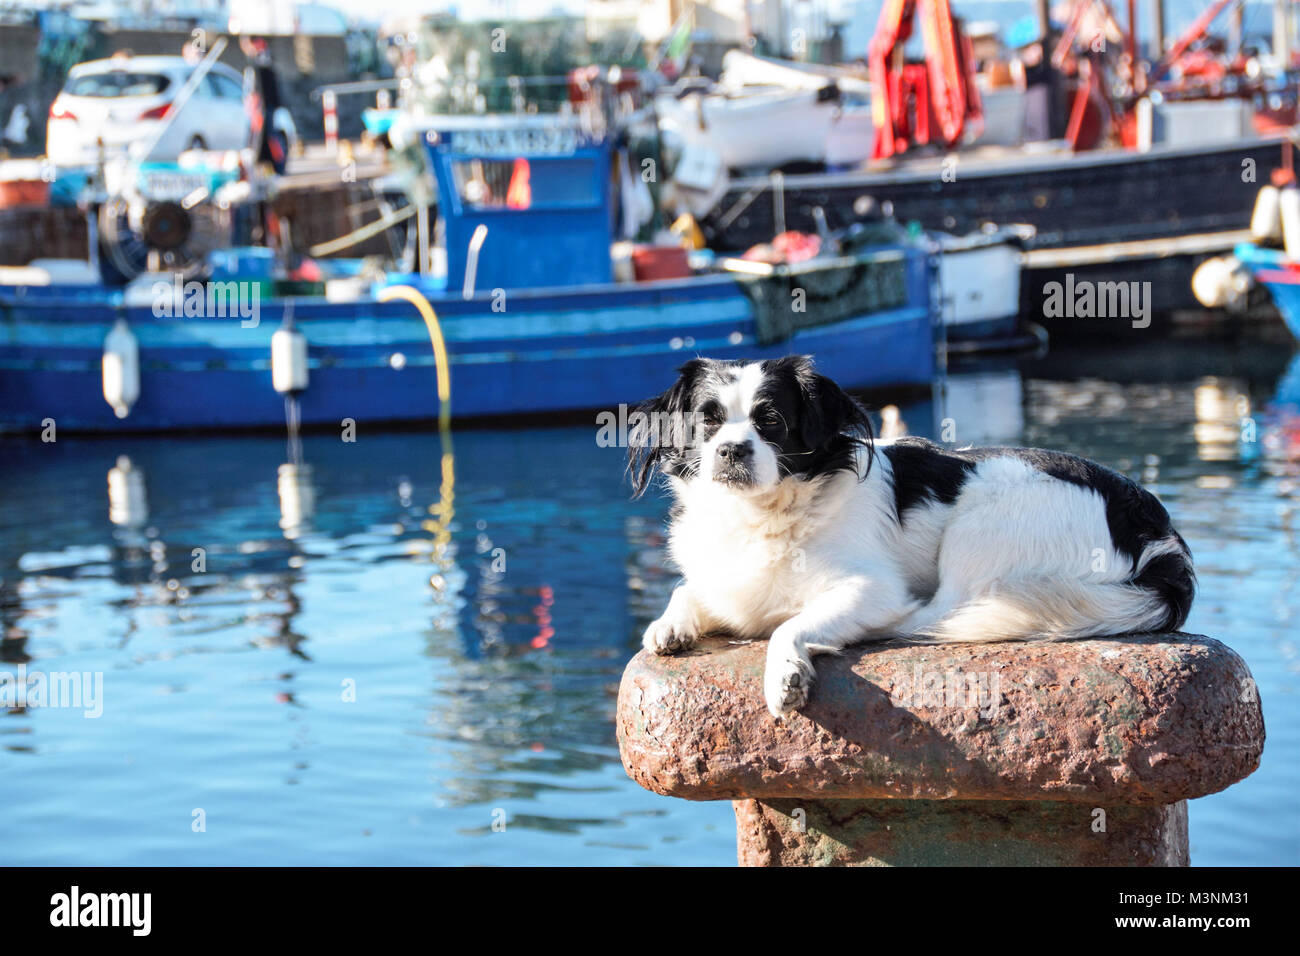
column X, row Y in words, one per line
column 1197, row 30
column 913, row 104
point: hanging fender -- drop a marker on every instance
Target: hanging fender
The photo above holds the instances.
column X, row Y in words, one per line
column 288, row 358
column 120, row 368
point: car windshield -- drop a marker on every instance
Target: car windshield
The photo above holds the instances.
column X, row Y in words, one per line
column 117, row 83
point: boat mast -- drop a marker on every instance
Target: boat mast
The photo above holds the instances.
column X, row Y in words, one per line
column 1131, row 40
column 1044, row 17
column 1158, row 30
column 1282, row 32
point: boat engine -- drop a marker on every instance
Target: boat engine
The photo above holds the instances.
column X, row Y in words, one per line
column 166, row 219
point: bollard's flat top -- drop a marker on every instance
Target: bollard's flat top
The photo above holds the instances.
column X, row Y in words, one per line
column 1134, row 720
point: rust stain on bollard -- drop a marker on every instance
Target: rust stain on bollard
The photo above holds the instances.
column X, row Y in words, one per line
column 1030, row 729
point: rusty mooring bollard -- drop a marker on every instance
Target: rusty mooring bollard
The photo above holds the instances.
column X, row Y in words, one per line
column 1065, row 754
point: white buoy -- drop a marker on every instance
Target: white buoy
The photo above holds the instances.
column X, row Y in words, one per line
column 288, row 360
column 127, row 507
column 121, row 369
column 1221, row 283
column 1266, row 220
column 1289, row 203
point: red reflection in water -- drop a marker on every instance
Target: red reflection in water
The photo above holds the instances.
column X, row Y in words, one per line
column 543, row 614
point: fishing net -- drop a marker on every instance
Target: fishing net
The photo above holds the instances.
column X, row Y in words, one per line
column 812, row 294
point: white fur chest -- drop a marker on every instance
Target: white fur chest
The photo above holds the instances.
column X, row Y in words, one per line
column 751, row 562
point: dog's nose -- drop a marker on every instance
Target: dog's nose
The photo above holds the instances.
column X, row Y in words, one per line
column 734, row 451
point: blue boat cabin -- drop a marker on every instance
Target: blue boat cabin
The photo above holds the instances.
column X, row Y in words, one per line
column 541, row 187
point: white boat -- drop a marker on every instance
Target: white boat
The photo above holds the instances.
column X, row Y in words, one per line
column 766, row 113
column 741, row 69
column 979, row 279
column 766, row 127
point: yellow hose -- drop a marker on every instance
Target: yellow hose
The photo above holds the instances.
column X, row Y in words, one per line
column 444, row 509
column 417, row 299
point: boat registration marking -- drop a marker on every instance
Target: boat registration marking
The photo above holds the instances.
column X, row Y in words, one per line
column 558, row 141
column 167, row 185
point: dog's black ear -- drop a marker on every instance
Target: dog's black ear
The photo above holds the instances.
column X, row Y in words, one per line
column 657, row 427
column 829, row 412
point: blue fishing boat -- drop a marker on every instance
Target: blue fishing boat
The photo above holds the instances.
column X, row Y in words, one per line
column 1279, row 274
column 528, row 315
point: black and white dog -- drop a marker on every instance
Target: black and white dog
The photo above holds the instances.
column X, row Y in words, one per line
column 791, row 523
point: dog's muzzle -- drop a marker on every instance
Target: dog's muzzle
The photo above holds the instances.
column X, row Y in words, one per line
column 734, row 464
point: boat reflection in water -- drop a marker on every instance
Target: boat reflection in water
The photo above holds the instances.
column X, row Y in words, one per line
column 370, row 654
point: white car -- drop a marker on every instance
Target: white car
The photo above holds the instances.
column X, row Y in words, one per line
column 122, row 101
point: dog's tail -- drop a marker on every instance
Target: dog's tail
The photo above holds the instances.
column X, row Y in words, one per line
column 1157, row 596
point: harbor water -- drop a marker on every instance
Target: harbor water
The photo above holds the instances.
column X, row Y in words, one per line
column 311, row 666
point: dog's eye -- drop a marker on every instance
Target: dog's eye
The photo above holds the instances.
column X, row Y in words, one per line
column 768, row 419
column 712, row 413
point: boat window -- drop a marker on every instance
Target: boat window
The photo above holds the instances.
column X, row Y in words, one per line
column 117, row 83
column 522, row 183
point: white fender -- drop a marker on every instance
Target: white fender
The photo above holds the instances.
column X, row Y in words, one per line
column 288, row 360
column 1289, row 203
column 1266, row 220
column 1220, row 283
column 121, row 369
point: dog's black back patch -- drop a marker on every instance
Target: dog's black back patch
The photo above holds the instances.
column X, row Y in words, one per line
column 923, row 471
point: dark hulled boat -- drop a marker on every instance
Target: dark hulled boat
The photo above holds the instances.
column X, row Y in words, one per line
column 1157, row 214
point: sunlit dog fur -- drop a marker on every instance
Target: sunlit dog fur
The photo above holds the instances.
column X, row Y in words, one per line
column 792, row 524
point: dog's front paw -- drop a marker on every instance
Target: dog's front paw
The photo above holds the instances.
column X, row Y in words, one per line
column 787, row 680
column 667, row 636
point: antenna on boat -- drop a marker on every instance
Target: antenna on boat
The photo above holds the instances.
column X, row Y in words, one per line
column 778, row 201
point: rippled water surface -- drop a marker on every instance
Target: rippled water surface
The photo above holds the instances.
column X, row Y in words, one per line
column 342, row 674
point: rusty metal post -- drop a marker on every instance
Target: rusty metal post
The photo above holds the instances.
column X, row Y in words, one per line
column 1061, row 754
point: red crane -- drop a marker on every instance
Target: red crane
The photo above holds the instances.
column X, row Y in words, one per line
column 913, row 104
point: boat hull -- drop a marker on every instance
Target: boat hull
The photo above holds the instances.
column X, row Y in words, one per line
column 980, row 285
column 541, row 352
column 1073, row 201
column 1279, row 275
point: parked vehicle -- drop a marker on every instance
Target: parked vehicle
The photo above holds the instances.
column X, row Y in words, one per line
column 121, row 102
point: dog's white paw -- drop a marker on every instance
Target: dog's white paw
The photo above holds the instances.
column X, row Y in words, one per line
column 787, row 679
column 668, row 636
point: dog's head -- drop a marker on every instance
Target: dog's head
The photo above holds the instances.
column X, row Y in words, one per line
column 748, row 426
